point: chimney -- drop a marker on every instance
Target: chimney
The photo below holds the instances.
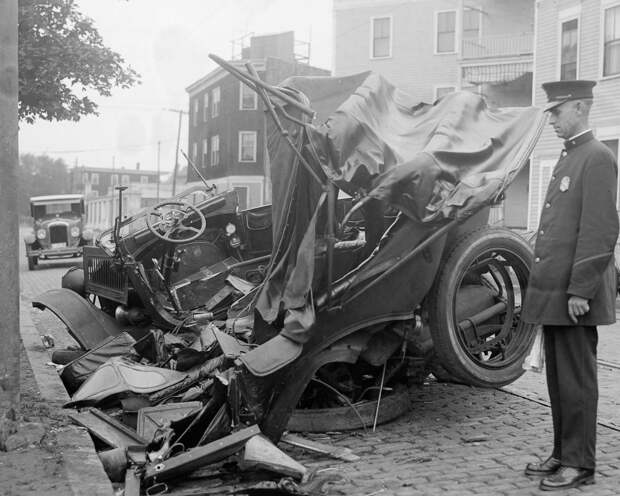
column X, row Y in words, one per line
column 137, row 165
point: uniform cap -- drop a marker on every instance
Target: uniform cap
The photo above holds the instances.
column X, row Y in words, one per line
column 559, row 92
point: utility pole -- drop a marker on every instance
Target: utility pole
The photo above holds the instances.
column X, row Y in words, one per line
column 176, row 153
column 158, row 175
column 175, row 170
column 9, row 226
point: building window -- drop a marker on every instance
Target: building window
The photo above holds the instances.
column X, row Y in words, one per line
column 569, row 47
column 205, row 157
column 215, row 102
column 247, row 146
column 195, row 112
column 215, row 150
column 248, row 99
column 471, row 23
column 443, row 90
column 205, row 107
column 195, row 152
column 94, row 179
column 114, row 179
column 446, row 31
column 144, row 179
column 611, row 48
column 125, row 179
column 381, row 37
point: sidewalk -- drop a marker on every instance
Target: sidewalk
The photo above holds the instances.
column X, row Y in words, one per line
column 58, row 458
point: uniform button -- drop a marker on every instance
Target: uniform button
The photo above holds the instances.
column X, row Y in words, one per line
column 547, row 205
column 537, row 259
column 553, row 177
column 542, row 232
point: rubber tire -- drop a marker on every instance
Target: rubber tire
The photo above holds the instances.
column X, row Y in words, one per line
column 444, row 331
column 32, row 262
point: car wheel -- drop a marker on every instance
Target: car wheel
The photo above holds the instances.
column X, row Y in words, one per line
column 32, row 262
column 475, row 305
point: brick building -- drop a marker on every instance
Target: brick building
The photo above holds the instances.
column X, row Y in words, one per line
column 575, row 40
column 226, row 125
column 431, row 47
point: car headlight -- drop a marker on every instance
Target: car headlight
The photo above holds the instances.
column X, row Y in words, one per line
column 41, row 234
column 230, row 229
column 75, row 231
column 29, row 237
column 235, row 241
column 88, row 234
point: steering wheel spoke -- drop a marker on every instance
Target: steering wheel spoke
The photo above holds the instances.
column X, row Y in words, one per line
column 169, row 221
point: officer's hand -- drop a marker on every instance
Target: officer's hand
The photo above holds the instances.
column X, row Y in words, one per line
column 577, row 306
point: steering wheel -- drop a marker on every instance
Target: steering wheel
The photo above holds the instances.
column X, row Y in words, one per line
column 166, row 220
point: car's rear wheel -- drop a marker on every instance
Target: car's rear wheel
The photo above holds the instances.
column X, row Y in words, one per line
column 32, row 262
column 475, row 305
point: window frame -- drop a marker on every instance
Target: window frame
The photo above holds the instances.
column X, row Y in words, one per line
column 478, row 11
column 216, row 102
column 214, row 152
column 436, row 32
column 205, row 106
column 438, row 87
column 563, row 22
column 195, row 112
column 240, row 147
column 94, row 178
column 371, row 48
column 242, row 88
column 605, row 6
column 564, row 16
column 204, row 157
column 195, row 152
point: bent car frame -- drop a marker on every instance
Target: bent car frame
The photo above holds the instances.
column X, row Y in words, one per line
column 326, row 299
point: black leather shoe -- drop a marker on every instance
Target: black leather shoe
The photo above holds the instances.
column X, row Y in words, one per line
column 567, row 477
column 548, row 467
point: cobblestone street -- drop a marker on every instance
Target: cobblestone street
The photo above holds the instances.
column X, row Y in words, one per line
column 455, row 440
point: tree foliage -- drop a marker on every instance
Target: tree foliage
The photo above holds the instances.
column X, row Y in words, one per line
column 62, row 59
column 40, row 175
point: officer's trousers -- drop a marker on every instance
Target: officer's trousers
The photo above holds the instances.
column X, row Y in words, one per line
column 570, row 355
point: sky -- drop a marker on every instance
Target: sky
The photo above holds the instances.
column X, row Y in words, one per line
column 168, row 43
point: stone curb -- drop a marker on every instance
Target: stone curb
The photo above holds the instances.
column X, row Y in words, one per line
column 83, row 469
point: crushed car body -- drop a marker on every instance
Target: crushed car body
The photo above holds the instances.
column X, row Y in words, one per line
column 374, row 266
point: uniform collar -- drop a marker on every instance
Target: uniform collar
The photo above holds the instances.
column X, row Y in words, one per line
column 578, row 139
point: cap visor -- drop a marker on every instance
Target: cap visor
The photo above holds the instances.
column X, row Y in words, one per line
column 552, row 105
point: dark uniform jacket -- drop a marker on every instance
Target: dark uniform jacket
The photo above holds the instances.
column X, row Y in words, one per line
column 574, row 252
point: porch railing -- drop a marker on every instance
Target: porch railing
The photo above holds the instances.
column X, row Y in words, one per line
column 497, row 46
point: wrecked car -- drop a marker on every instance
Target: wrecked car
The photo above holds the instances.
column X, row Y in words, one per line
column 321, row 299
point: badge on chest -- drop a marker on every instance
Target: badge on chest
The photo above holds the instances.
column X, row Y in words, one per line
column 564, row 184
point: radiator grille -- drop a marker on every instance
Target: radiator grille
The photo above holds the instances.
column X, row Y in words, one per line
column 58, row 234
column 102, row 277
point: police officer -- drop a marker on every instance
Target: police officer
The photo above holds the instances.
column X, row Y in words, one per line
column 572, row 285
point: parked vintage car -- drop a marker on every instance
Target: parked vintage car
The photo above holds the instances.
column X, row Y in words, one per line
column 319, row 300
column 57, row 228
